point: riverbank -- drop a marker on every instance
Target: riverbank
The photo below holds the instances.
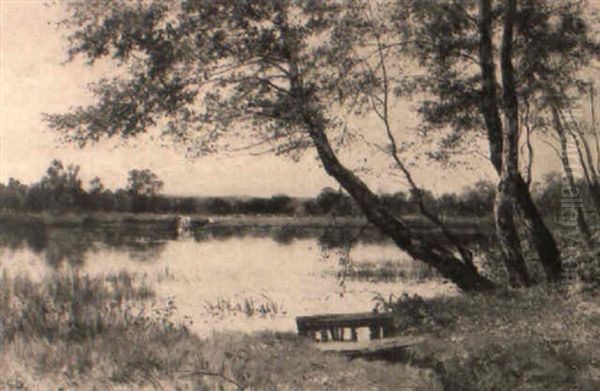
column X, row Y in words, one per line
column 71, row 331
column 73, row 218
column 538, row 338
column 74, row 332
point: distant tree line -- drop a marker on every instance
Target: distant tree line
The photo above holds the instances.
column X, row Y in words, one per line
column 60, row 189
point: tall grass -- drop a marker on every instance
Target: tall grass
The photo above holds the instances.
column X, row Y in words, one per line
column 67, row 305
column 386, row 271
column 76, row 323
column 249, row 306
column 73, row 331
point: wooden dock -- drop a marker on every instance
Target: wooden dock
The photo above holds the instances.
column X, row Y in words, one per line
column 329, row 332
column 334, row 327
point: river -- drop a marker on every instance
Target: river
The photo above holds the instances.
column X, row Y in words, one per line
column 227, row 279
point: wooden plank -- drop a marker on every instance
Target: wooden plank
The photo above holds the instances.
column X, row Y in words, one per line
column 366, row 348
column 353, row 320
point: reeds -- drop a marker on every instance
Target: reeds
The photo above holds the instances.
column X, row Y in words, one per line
column 386, row 271
column 249, row 306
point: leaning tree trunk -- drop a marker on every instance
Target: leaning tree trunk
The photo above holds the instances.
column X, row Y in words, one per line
column 464, row 275
column 544, row 242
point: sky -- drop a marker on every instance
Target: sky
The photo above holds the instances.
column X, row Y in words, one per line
column 34, row 79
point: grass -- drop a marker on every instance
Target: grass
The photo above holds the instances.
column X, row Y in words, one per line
column 386, row 271
column 249, row 306
column 532, row 339
column 72, row 331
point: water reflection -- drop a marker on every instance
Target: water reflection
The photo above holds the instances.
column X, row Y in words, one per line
column 146, row 241
column 298, row 268
column 71, row 244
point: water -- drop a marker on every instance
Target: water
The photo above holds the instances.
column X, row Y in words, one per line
column 221, row 274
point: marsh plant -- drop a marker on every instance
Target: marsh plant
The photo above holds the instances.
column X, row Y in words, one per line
column 67, row 305
column 72, row 331
column 249, row 306
column 385, row 271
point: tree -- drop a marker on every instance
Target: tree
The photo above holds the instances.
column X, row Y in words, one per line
column 540, row 43
column 143, row 183
column 219, row 206
column 144, row 186
column 281, row 204
column 328, row 199
column 95, row 194
column 13, row 195
column 571, row 187
column 123, row 201
column 479, row 198
column 59, row 189
column 277, row 72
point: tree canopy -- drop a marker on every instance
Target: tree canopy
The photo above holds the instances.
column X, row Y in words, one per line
column 282, row 75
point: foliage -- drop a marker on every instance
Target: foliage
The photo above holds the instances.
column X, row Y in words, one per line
column 523, row 364
column 59, row 189
column 143, row 183
column 476, row 200
column 554, row 40
column 279, row 75
column 67, row 306
column 143, row 186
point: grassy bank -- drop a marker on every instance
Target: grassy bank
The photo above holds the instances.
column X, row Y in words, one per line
column 77, row 332
column 70, row 331
column 73, row 331
column 533, row 339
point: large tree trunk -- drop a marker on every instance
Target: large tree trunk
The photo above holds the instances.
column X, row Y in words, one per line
column 544, row 242
column 506, row 199
column 464, row 275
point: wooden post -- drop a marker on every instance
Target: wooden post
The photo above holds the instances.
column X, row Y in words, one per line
column 353, row 335
column 375, row 331
column 388, row 331
column 324, row 336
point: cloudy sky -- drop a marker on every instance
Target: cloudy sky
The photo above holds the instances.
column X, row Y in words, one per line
column 34, row 80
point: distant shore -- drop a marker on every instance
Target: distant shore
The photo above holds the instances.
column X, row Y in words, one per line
column 237, row 220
